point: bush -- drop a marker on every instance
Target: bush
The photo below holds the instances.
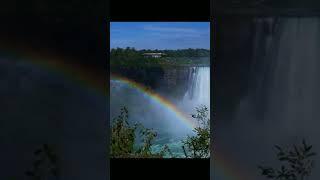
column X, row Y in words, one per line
column 296, row 163
column 198, row 146
column 123, row 138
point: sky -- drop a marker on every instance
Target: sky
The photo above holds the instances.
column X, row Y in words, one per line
column 160, row 35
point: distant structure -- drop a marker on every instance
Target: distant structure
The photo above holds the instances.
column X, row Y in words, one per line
column 153, row 55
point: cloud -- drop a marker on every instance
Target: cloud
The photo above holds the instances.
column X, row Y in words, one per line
column 168, row 35
column 159, row 36
column 169, row 29
column 121, row 43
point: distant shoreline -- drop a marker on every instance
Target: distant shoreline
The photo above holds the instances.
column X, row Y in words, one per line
column 163, row 65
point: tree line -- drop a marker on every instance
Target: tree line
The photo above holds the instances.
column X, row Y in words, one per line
column 130, row 51
column 131, row 57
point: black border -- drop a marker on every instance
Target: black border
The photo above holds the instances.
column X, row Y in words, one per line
column 160, row 169
column 160, row 10
column 108, row 95
column 268, row 12
column 212, row 85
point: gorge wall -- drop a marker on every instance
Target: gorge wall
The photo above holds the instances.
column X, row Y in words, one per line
column 167, row 80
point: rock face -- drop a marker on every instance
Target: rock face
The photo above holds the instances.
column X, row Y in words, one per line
column 176, row 80
column 233, row 54
column 146, row 76
column 168, row 80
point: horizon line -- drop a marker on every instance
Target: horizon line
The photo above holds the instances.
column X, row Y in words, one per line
column 158, row 49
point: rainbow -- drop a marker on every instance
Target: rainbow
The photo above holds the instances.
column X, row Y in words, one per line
column 157, row 98
column 74, row 72
column 222, row 166
column 81, row 75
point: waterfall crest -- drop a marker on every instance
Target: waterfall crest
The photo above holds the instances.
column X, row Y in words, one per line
column 285, row 76
column 282, row 101
column 198, row 92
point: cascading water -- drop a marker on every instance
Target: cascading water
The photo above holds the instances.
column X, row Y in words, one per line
column 282, row 105
column 286, row 74
column 289, row 70
column 153, row 114
column 198, row 92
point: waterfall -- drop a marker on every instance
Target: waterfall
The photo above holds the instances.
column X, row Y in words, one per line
column 289, row 81
column 152, row 113
column 198, row 92
column 286, row 74
column 282, row 103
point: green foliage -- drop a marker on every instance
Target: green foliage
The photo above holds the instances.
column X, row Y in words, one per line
column 131, row 57
column 122, row 135
column 128, row 56
column 296, row 163
column 198, row 146
column 123, row 139
column 44, row 165
column 182, row 52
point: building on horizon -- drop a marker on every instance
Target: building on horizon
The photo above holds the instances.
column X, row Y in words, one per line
column 153, row 55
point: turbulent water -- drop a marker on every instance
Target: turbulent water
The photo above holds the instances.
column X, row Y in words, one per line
column 282, row 104
column 199, row 87
column 161, row 118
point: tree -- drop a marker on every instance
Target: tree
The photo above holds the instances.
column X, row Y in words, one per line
column 198, row 146
column 44, row 165
column 122, row 135
column 131, row 57
column 123, row 139
column 296, row 163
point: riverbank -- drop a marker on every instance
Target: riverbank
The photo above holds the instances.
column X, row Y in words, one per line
column 164, row 62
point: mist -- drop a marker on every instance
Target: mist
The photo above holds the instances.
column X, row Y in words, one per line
column 280, row 105
column 142, row 108
column 41, row 106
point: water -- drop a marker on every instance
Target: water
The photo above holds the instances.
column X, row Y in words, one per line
column 152, row 114
column 198, row 92
column 282, row 104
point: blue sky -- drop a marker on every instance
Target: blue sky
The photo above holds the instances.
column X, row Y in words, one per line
column 160, row 35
